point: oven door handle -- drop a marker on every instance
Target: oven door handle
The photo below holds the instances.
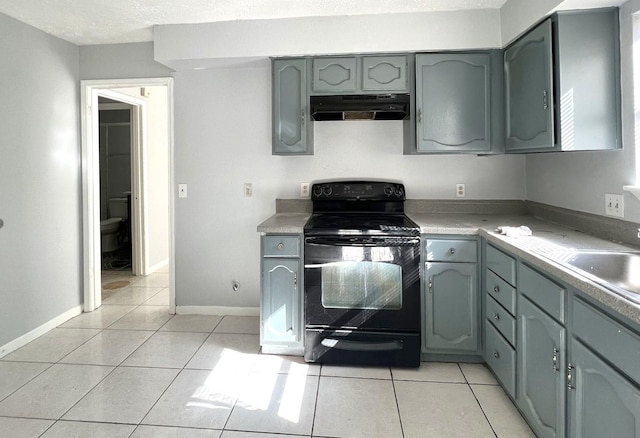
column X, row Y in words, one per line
column 362, row 241
column 341, row 344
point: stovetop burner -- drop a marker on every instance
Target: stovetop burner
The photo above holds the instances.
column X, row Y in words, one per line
column 357, row 223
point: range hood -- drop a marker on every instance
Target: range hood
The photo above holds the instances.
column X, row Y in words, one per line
column 360, row 107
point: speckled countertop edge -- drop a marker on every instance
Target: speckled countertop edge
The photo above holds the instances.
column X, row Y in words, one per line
column 548, row 243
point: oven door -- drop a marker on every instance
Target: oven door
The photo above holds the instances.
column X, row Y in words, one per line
column 369, row 283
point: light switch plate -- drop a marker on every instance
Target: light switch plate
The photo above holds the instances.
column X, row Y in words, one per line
column 614, row 205
column 182, row 190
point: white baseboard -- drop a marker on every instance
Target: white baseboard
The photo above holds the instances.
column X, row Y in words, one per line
column 217, row 310
column 39, row 331
column 157, row 266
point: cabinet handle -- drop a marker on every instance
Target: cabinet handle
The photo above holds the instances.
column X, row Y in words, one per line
column 452, row 251
column 430, row 284
column 295, row 278
column 554, row 359
column 302, row 117
column 419, row 115
column 496, row 355
column 545, row 102
column 280, row 246
column 496, row 288
column 496, row 317
column 570, row 386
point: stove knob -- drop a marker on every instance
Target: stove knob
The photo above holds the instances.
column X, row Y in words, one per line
column 317, row 190
column 399, row 192
column 327, row 190
column 388, row 190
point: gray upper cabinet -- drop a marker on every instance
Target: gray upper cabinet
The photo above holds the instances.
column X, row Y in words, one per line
column 360, row 74
column 292, row 131
column 529, row 95
column 459, row 103
column 334, row 75
column 562, row 84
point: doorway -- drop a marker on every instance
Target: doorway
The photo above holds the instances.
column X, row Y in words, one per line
column 135, row 93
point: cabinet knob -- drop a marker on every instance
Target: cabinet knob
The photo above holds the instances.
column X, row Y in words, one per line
column 545, row 100
column 496, row 288
column 496, row 317
column 496, row 355
column 452, row 251
column 280, row 246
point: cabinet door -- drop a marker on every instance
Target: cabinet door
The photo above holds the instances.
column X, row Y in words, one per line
column 452, row 307
column 541, row 377
column 292, row 133
column 453, row 102
column 334, row 75
column 602, row 402
column 280, row 301
column 384, row 73
column 529, row 95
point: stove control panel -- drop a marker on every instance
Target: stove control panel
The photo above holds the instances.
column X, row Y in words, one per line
column 358, row 190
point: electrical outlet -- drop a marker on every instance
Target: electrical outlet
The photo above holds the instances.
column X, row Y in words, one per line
column 304, row 190
column 248, row 190
column 460, row 191
column 614, row 205
column 182, row 190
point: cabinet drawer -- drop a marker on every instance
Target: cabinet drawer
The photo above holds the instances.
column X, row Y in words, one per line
column 501, row 319
column 442, row 250
column 501, row 291
column 502, row 264
column 611, row 340
column 501, row 357
column 551, row 297
column 281, row 246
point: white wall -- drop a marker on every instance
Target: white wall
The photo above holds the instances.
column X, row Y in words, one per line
column 40, row 190
column 223, row 139
column 120, row 61
column 579, row 180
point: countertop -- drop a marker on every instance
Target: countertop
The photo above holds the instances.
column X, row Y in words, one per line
column 546, row 248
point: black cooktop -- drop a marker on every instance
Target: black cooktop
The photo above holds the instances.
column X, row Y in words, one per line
column 361, row 223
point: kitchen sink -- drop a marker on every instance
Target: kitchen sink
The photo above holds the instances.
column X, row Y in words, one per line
column 618, row 271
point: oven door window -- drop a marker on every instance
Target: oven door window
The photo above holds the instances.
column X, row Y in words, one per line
column 362, row 285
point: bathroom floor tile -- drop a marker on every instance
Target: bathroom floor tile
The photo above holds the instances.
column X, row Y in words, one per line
column 166, row 350
column 192, row 323
column 430, row 372
column 102, row 317
column 197, row 398
column 109, row 347
column 159, row 299
column 230, row 352
column 157, row 279
column 125, row 396
column 53, row 392
column 502, row 414
column 15, row 374
column 354, row 408
column 239, row 324
column 133, row 295
column 275, row 403
column 440, row 409
column 52, row 346
column 175, row 432
column 72, row 429
column 144, row 318
column 23, row 427
column 478, row 373
column 356, row 371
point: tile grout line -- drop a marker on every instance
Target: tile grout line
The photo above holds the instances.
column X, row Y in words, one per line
column 478, row 401
column 395, row 396
column 315, row 405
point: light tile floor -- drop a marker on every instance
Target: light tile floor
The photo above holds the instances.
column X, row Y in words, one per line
column 130, row 369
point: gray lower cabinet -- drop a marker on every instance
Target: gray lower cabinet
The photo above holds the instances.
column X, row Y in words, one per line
column 602, row 402
column 554, row 101
column 451, row 309
column 292, row 132
column 541, row 370
column 281, row 319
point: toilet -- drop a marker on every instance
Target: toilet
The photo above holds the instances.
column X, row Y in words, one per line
column 118, row 213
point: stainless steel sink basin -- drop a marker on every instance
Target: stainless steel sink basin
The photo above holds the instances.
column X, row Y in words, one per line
column 617, row 270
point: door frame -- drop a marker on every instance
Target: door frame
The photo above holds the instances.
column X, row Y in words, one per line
column 90, row 90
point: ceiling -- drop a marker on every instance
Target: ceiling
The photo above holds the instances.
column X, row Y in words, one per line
column 87, row 22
